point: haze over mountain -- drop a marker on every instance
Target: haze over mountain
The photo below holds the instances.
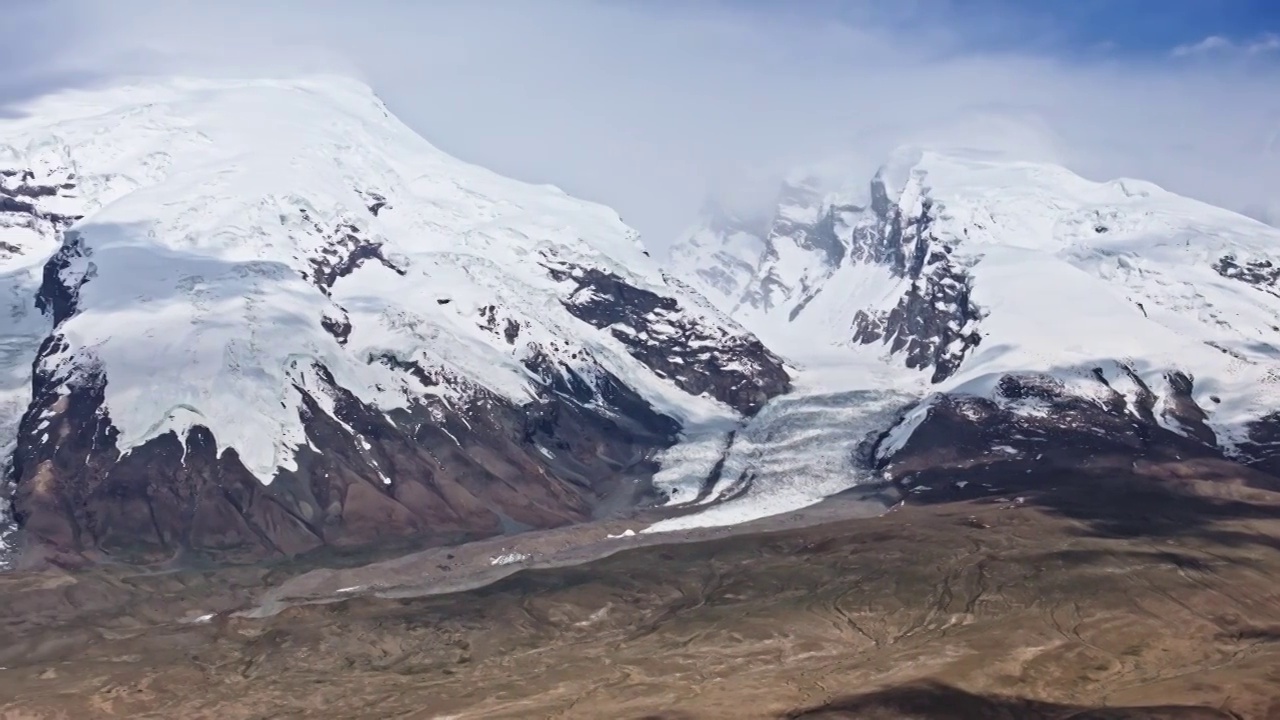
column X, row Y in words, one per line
column 645, row 106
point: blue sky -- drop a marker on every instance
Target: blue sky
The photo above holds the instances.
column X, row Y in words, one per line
column 1151, row 26
column 650, row 105
column 1120, row 28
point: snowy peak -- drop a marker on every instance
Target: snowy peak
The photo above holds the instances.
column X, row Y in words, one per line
column 262, row 269
column 762, row 263
column 955, row 270
column 721, row 254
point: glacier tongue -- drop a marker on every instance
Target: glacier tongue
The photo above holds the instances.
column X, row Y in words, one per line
column 799, row 449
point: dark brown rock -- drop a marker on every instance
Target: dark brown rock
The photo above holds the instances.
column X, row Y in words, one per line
column 934, row 322
column 1069, row 431
column 431, row 472
column 735, row 368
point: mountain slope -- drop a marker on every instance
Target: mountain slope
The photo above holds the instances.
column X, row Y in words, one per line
column 265, row 316
column 1022, row 298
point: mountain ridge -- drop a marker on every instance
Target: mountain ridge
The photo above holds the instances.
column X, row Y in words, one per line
column 964, row 276
column 256, row 318
column 266, row 316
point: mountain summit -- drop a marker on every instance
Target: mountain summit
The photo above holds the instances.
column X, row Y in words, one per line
column 1017, row 297
column 259, row 317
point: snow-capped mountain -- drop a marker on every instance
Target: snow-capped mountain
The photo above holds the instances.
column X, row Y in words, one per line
column 248, row 317
column 1017, row 297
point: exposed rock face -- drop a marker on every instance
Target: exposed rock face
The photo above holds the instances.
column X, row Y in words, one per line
column 1043, row 423
column 799, row 252
column 1039, row 421
column 934, row 323
column 33, row 213
column 1261, row 447
column 24, row 202
column 734, row 368
column 1261, row 274
column 342, row 251
column 428, row 472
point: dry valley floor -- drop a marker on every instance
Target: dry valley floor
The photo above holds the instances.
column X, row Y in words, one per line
column 1146, row 593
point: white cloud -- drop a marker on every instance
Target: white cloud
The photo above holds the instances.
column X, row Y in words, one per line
column 644, row 106
column 1219, row 45
column 1213, row 43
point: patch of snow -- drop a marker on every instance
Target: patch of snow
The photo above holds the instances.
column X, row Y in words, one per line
column 8, row 528
column 900, row 433
column 445, row 430
column 508, row 558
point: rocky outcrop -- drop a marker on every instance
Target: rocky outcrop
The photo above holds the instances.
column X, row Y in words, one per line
column 970, row 447
column 734, row 368
column 1260, row 274
column 805, row 226
column 1041, row 423
column 1261, row 446
column 934, row 323
column 341, row 251
column 24, row 201
column 430, row 473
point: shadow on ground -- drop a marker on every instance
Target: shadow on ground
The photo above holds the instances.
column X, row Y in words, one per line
column 1125, row 503
column 937, row 701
